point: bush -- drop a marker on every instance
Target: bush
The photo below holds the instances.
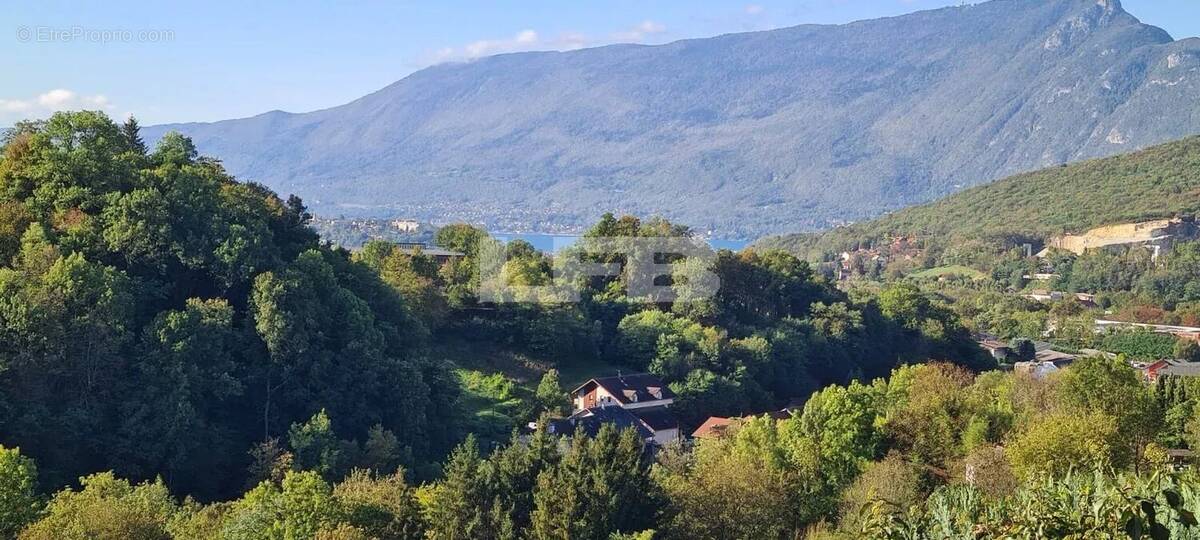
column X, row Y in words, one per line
column 1140, row 344
column 495, row 386
column 1059, row 442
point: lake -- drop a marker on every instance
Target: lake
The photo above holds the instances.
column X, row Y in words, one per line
column 550, row 243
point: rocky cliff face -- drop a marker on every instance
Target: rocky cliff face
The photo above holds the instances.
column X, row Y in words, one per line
column 743, row 134
column 1159, row 232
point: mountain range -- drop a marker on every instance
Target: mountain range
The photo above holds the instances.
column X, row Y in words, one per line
column 744, row 134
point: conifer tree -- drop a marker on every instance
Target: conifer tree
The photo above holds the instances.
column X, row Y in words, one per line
column 133, row 136
column 458, row 508
column 600, row 487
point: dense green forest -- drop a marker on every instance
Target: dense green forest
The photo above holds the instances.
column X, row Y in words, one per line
column 159, row 318
column 1161, row 181
column 933, row 451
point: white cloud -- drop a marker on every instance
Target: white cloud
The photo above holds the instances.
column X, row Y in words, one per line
column 56, row 98
column 531, row 40
column 754, row 9
column 45, row 104
column 14, row 105
column 522, row 41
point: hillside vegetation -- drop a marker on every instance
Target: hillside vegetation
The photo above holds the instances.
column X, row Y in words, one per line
column 1157, row 182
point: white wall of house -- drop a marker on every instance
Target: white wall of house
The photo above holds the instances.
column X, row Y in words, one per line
column 666, row 436
column 648, row 404
column 605, row 399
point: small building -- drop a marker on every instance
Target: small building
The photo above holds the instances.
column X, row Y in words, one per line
column 1037, row 370
column 406, row 225
column 1044, row 296
column 438, row 254
column 1178, row 368
column 1045, row 362
column 998, row 349
column 1180, row 458
column 1059, row 359
column 716, row 427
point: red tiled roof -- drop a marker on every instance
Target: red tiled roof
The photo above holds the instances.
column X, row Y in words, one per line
column 715, row 426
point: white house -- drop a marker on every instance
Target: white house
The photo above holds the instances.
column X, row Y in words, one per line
column 640, row 401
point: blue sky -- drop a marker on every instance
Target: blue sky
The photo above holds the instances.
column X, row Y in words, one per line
column 226, row 59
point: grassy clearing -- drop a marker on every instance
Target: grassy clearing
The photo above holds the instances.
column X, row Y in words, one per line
column 492, row 405
column 950, row 270
column 498, row 385
column 523, row 368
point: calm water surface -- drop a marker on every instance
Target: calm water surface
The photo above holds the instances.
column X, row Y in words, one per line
column 551, row 243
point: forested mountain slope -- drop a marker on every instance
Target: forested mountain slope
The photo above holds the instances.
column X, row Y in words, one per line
column 1161, row 181
column 744, row 134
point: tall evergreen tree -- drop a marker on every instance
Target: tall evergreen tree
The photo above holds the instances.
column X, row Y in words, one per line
column 133, row 135
column 515, row 469
column 457, row 509
column 601, row 486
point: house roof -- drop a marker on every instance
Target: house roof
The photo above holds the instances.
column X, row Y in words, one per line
column 1059, row 359
column 592, row 419
column 1037, row 369
column 1182, row 369
column 993, row 344
column 431, row 251
column 1040, row 346
column 656, row 418
column 715, row 426
column 989, row 342
column 632, row 388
